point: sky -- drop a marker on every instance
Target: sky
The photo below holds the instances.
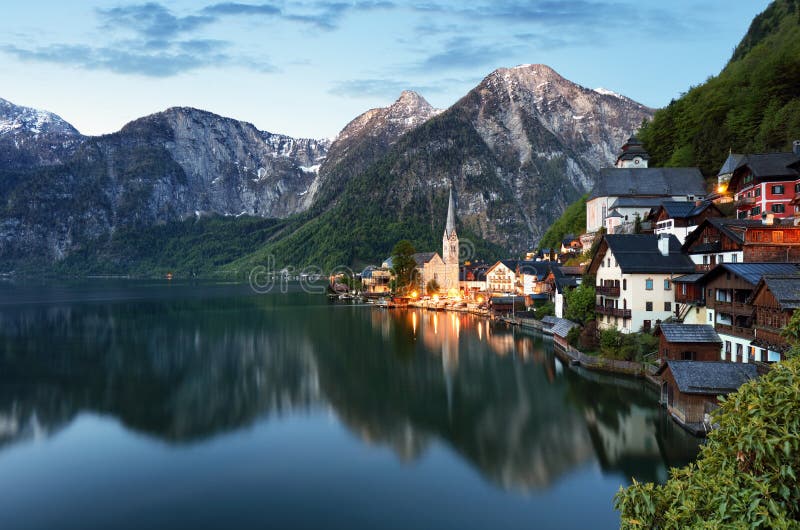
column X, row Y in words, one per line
column 307, row 68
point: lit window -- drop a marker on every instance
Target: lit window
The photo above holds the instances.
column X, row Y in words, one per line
column 667, row 285
column 648, row 284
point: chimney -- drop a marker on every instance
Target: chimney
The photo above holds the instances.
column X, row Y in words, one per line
column 796, row 147
column 663, row 244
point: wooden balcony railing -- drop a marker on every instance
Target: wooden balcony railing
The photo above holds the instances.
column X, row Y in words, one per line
column 613, row 311
column 738, row 331
column 746, row 201
column 607, row 290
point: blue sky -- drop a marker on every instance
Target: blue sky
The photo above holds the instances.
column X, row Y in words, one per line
column 307, row 68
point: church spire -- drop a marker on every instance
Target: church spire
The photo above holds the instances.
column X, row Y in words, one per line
column 450, row 227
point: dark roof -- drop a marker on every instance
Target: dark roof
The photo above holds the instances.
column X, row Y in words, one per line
column 633, row 147
column 711, row 377
column 732, row 228
column 565, row 281
column 549, row 320
column 771, row 164
column 689, row 333
column 572, row 270
column 752, row 272
column 423, row 257
column 733, row 161
column 538, row 268
column 650, row 181
column 562, row 327
column 684, row 209
column 688, row 278
column 637, row 202
column 639, row 253
column 785, row 289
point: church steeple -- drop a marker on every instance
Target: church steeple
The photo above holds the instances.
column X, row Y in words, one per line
column 450, row 227
column 450, row 238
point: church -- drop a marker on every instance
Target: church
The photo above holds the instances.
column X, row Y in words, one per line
column 441, row 269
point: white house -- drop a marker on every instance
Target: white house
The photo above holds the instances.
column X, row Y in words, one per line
column 634, row 274
column 501, row 278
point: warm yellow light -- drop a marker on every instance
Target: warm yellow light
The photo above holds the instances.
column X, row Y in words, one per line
column 452, row 293
column 722, row 188
column 479, row 299
column 436, row 298
column 414, row 294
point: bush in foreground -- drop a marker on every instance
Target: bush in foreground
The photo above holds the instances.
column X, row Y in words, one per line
column 746, row 474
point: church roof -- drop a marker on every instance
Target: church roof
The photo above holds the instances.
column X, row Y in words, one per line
column 649, row 182
column 450, row 227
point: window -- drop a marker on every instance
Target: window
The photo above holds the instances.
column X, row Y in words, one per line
column 667, row 285
column 742, row 214
column 710, row 317
column 734, row 258
column 777, row 189
column 648, row 284
column 608, row 264
column 758, row 192
column 755, row 211
column 624, row 284
column 727, row 346
column 667, row 306
column 648, row 306
column 646, row 325
column 688, row 356
column 778, row 208
column 705, row 260
column 797, row 188
column 683, row 289
column 721, row 259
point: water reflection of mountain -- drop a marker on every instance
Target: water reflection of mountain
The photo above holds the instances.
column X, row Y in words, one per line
column 186, row 369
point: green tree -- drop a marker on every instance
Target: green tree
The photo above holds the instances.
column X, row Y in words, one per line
column 792, row 334
column 403, row 265
column 579, row 303
column 747, row 473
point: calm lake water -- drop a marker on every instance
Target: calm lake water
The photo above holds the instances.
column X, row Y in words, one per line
column 202, row 405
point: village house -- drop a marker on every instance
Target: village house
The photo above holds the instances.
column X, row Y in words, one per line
column 775, row 299
column 571, row 244
column 376, row 280
column 501, row 278
column 690, row 299
column 634, row 274
column 764, row 184
column 472, row 278
column 538, row 277
column 690, row 389
column 688, row 342
column 728, row 291
column 681, row 218
column 631, row 189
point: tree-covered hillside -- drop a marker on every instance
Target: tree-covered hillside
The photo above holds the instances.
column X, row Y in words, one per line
column 753, row 105
column 572, row 221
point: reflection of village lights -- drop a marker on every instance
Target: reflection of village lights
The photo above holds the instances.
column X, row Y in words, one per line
column 436, row 324
column 414, row 322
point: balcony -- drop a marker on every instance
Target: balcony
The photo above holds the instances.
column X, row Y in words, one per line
column 603, row 310
column 746, row 202
column 737, row 331
column 704, row 267
column 607, row 290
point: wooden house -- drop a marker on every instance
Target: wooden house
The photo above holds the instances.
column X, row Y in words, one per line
column 681, row 218
column 690, row 389
column 688, row 342
column 775, row 299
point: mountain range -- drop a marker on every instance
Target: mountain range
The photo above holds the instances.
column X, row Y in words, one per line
column 516, row 150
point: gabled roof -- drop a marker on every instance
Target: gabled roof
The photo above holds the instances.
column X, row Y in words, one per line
column 424, row 257
column 785, row 288
column 733, row 161
column 771, row 164
column 510, row 263
column 731, row 228
column 562, row 327
column 637, row 202
column 564, row 282
column 650, row 181
column 688, row 278
column 549, row 320
column 693, row 333
column 538, row 268
column 638, row 253
column 752, row 272
column 710, row 377
column 684, row 209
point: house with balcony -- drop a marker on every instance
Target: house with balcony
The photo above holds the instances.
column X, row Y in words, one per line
column 729, row 288
column 718, row 240
column 681, row 218
column 775, row 299
column 690, row 299
column 501, row 278
column 376, row 280
column 634, row 280
column 765, row 184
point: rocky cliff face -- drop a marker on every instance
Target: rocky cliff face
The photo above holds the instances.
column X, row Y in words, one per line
column 31, row 137
column 366, row 139
column 164, row 167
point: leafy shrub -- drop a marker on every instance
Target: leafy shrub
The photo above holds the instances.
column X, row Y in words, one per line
column 745, row 476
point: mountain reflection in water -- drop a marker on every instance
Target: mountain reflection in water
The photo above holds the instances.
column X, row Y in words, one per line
column 205, row 362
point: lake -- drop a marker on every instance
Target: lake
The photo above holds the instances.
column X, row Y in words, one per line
column 155, row 404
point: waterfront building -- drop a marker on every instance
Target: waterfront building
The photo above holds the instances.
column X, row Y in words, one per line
column 501, row 278
column 690, row 389
column 687, row 342
column 376, row 280
column 444, row 269
column 634, row 274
